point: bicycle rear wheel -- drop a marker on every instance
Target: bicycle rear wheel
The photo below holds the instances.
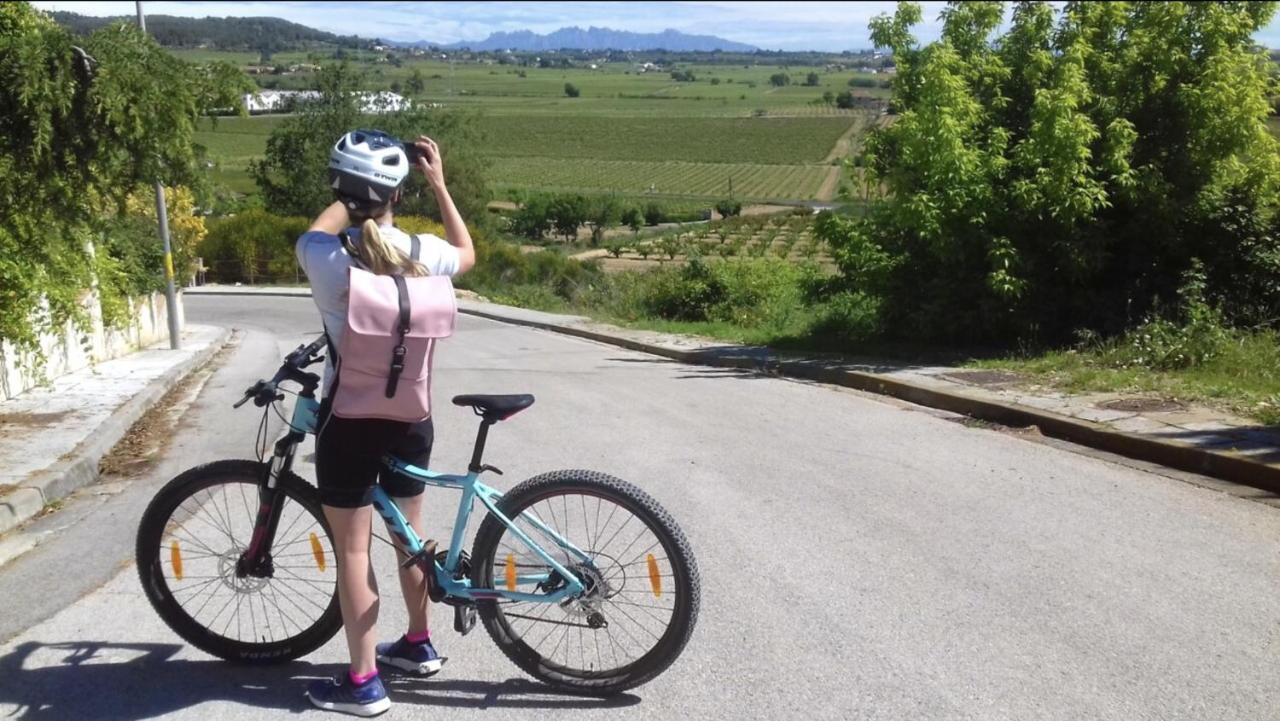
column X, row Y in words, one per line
column 643, row 589
column 192, row 535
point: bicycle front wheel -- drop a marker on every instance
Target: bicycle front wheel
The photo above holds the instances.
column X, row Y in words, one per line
column 642, row 585
column 189, row 542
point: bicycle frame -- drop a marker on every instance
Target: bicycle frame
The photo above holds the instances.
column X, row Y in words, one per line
column 304, row 421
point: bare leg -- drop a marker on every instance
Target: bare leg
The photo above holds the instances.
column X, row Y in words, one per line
column 412, row 580
column 357, row 588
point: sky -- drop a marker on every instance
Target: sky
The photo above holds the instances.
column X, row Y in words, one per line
column 830, row 26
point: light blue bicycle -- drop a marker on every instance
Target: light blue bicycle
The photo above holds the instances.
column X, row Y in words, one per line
column 582, row 579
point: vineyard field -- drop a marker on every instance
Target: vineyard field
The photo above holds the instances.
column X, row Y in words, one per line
column 704, row 140
column 753, row 182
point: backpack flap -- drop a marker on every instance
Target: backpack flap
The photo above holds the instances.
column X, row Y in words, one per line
column 385, row 355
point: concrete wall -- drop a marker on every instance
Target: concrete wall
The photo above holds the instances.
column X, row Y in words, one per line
column 71, row 349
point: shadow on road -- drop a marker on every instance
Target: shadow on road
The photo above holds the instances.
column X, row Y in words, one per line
column 130, row 682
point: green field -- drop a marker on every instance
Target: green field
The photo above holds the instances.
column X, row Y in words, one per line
column 629, row 132
column 663, row 178
column 702, row 140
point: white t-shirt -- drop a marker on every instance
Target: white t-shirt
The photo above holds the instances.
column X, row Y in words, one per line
column 326, row 263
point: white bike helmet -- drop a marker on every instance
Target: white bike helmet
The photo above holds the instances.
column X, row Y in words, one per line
column 366, row 167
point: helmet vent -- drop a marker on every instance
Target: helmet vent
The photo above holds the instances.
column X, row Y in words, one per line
column 342, row 144
column 391, row 160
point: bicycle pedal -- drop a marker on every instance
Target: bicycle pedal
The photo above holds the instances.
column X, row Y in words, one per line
column 464, row 619
column 424, row 558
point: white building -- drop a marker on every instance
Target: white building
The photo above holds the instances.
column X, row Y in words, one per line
column 275, row 101
column 283, row 101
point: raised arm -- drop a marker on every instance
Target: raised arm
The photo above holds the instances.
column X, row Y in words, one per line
column 456, row 233
column 332, row 220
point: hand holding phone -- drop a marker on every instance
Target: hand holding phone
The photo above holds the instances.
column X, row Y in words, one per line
column 425, row 154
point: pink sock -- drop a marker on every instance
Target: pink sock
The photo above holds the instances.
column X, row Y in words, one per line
column 361, row 679
column 418, row 637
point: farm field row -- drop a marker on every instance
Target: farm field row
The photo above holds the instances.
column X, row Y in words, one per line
column 745, row 181
column 704, row 140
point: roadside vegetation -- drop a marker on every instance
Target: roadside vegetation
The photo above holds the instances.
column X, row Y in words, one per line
column 88, row 125
column 1089, row 197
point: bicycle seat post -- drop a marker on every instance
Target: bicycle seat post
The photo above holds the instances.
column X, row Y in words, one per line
column 478, row 452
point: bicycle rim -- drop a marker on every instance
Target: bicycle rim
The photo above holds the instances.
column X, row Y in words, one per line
column 204, row 534
column 632, row 601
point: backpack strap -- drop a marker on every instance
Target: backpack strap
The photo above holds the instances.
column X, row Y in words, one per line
column 349, row 246
column 397, row 355
column 415, row 247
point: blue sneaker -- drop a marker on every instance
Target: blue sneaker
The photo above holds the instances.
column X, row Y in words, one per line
column 419, row 658
column 340, row 694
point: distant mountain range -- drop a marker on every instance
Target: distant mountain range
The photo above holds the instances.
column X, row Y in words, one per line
column 594, row 38
column 274, row 35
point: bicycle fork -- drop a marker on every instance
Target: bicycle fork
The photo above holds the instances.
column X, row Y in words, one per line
column 256, row 559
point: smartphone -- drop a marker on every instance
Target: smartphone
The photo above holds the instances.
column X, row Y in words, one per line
column 413, row 152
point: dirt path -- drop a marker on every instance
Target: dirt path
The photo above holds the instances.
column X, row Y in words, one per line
column 844, row 142
column 831, row 184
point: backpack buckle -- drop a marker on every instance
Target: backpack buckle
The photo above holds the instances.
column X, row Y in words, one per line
column 397, row 358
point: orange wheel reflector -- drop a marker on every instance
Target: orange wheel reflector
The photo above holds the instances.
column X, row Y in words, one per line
column 175, row 559
column 654, row 579
column 317, row 551
column 511, row 572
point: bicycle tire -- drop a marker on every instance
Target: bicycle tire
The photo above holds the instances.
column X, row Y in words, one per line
column 151, row 531
column 659, row 521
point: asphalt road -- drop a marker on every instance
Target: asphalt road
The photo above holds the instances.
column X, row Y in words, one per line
column 861, row 559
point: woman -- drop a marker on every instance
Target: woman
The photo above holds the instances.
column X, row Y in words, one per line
column 367, row 170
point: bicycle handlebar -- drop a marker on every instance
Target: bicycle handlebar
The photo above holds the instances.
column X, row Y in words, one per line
column 265, row 392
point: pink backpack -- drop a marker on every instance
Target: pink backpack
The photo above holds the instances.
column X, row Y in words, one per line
column 384, row 360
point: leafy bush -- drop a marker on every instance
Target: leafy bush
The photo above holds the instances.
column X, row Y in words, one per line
column 1196, row 338
column 86, row 122
column 501, row 267
column 745, row 293
column 729, row 208
column 254, row 246
column 571, row 90
column 1028, row 189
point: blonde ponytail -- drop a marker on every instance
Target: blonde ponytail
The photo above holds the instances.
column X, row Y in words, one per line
column 382, row 257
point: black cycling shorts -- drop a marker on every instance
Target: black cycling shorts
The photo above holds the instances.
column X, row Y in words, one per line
column 349, row 454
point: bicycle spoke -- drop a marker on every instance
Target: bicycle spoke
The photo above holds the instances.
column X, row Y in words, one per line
column 620, row 552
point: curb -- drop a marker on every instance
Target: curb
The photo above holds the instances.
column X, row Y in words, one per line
column 278, row 293
column 1223, row 465
column 80, row 467
column 1218, row 464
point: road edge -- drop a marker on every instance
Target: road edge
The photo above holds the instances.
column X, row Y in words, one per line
column 1217, row 464
column 1223, row 465
column 80, row 467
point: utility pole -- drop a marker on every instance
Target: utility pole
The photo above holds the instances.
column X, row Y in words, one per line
column 162, row 214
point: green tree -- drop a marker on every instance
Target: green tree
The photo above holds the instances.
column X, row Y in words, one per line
column 1068, row 173
column 728, row 208
column 571, row 90
column 567, row 214
column 602, row 213
column 778, row 80
column 653, row 214
column 293, row 173
column 85, row 122
column 416, row 84
column 812, row 80
column 633, row 218
column 532, row 220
